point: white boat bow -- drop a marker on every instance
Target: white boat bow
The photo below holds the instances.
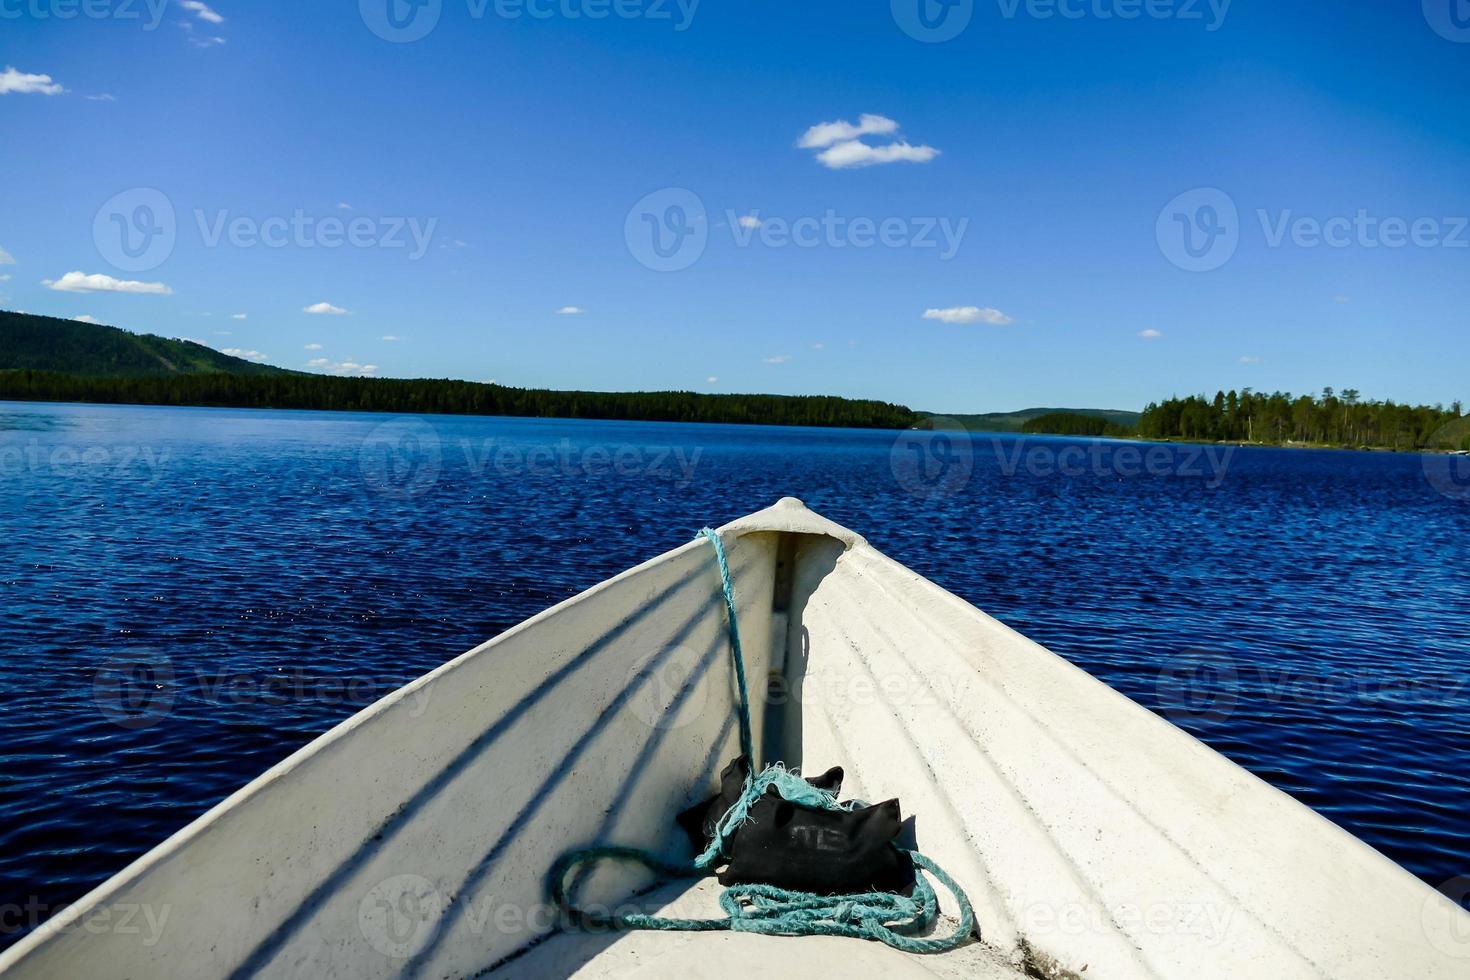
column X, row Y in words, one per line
column 1094, row 838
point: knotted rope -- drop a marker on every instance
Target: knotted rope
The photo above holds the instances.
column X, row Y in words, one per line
column 886, row 917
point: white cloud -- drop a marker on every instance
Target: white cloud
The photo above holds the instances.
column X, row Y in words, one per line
column 389, row 337
column 5, row 278
column 711, row 380
column 223, row 333
column 343, row 206
column 202, row 11
column 325, row 309
column 86, row 318
column 969, row 314
column 246, row 355
column 750, row 221
column 238, row 316
column 778, row 359
column 345, row 369
column 80, row 282
column 206, row 42
column 858, row 154
column 6, row 258
column 1250, row 360
column 842, row 145
column 571, row 311
column 842, row 131
column 1150, row 334
column 313, row 346
column 103, row 97
column 24, row 83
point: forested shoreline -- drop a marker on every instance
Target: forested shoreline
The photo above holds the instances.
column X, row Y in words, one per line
column 1329, row 419
column 321, row 392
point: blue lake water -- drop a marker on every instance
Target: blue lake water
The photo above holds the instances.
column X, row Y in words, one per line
column 1307, row 613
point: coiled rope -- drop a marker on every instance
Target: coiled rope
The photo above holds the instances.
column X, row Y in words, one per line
column 886, row 917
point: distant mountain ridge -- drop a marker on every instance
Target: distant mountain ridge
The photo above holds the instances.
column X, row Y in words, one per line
column 45, row 343
column 1015, row 421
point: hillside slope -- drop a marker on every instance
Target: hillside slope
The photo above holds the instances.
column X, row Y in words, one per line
column 1014, row 421
column 43, row 343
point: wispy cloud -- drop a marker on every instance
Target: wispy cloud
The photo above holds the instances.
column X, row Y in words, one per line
column 711, row 380
column 238, row 316
column 749, row 221
column 1250, row 360
column 80, row 282
column 819, row 346
column 6, row 258
column 325, row 309
column 343, row 206
column 778, row 359
column 86, row 318
column 246, row 355
column 13, row 82
column 102, row 97
column 206, row 42
column 842, row 131
column 842, row 145
column 1150, row 334
column 202, row 10
column 571, row 311
column 969, row 314
column 313, row 346
column 389, row 337
column 1342, row 299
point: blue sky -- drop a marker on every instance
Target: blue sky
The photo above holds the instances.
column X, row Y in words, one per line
column 1066, row 156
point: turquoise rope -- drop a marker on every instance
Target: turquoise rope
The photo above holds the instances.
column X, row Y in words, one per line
column 767, row 910
column 736, row 653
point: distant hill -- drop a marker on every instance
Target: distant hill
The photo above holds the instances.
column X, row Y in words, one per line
column 1016, row 421
column 46, row 359
column 44, row 343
